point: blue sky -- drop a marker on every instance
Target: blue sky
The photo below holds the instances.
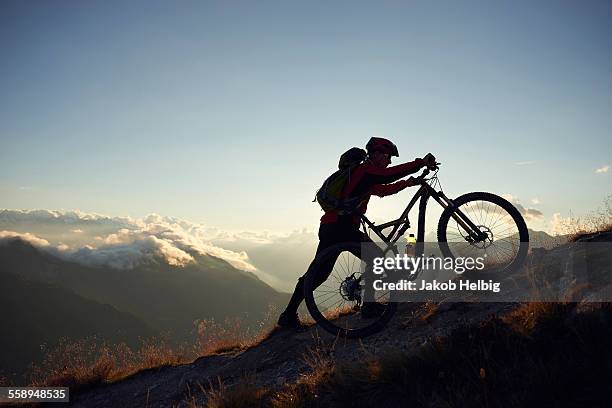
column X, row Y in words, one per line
column 231, row 113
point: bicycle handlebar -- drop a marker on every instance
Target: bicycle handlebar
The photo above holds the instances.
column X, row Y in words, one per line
column 427, row 170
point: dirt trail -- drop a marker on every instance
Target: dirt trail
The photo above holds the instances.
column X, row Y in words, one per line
column 280, row 358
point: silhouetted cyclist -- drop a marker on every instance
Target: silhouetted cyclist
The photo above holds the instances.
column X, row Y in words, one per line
column 373, row 176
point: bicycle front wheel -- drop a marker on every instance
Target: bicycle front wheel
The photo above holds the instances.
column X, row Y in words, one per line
column 504, row 238
column 336, row 301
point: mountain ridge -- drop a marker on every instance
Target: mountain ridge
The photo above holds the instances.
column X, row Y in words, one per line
column 169, row 298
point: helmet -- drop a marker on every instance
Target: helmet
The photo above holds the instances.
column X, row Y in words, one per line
column 381, row 145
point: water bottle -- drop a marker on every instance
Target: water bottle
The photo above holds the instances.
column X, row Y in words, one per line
column 410, row 245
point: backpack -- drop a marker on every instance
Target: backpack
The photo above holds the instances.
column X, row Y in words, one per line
column 328, row 196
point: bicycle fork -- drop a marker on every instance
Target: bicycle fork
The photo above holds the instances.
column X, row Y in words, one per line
column 474, row 233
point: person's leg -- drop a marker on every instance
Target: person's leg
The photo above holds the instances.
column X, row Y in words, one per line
column 370, row 308
column 289, row 316
column 341, row 233
column 323, row 272
column 296, row 298
column 369, row 252
column 331, row 236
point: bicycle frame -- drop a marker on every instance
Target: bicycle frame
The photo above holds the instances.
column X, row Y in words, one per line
column 401, row 224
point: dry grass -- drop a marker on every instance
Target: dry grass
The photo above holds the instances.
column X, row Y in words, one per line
column 90, row 362
column 528, row 315
column 338, row 312
column 428, row 311
column 541, row 354
column 246, row 393
column 4, row 381
column 597, row 221
column 216, row 338
column 321, row 366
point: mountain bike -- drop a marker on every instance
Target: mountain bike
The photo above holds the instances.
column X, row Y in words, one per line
column 472, row 224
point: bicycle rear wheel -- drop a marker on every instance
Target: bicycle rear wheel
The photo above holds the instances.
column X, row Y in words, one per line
column 507, row 238
column 336, row 302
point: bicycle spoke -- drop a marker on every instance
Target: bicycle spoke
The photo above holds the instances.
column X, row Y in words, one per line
column 503, row 243
column 329, row 297
column 337, row 274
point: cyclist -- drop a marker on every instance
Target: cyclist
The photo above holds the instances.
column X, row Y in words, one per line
column 373, row 176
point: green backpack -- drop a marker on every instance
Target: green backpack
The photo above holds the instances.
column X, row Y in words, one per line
column 328, row 196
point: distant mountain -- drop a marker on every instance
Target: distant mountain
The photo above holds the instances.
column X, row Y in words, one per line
column 36, row 315
column 540, row 239
column 537, row 239
column 169, row 298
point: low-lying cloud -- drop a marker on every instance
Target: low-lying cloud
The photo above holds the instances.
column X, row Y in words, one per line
column 31, row 238
column 284, row 256
column 529, row 214
column 125, row 243
column 117, row 255
column 118, row 242
column 128, row 255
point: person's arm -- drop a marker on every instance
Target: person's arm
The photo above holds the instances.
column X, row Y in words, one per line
column 379, row 175
column 367, row 175
column 383, row 190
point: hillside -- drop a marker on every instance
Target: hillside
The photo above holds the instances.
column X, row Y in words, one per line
column 168, row 298
column 36, row 315
column 447, row 354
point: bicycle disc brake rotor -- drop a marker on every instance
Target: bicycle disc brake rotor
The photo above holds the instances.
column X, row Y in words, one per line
column 350, row 288
column 483, row 243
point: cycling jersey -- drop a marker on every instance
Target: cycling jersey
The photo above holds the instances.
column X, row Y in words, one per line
column 367, row 179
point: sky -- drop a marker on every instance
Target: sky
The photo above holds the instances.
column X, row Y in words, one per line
column 232, row 113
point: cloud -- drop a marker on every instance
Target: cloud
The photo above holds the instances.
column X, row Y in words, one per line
column 603, row 169
column 529, row 214
column 124, row 242
column 284, row 256
column 557, row 224
column 31, row 238
column 62, row 218
column 130, row 239
column 130, row 255
column 525, row 163
column 116, row 255
column 535, row 201
column 560, row 225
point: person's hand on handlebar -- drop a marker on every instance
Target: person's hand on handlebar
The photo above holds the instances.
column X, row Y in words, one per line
column 430, row 161
column 414, row 181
